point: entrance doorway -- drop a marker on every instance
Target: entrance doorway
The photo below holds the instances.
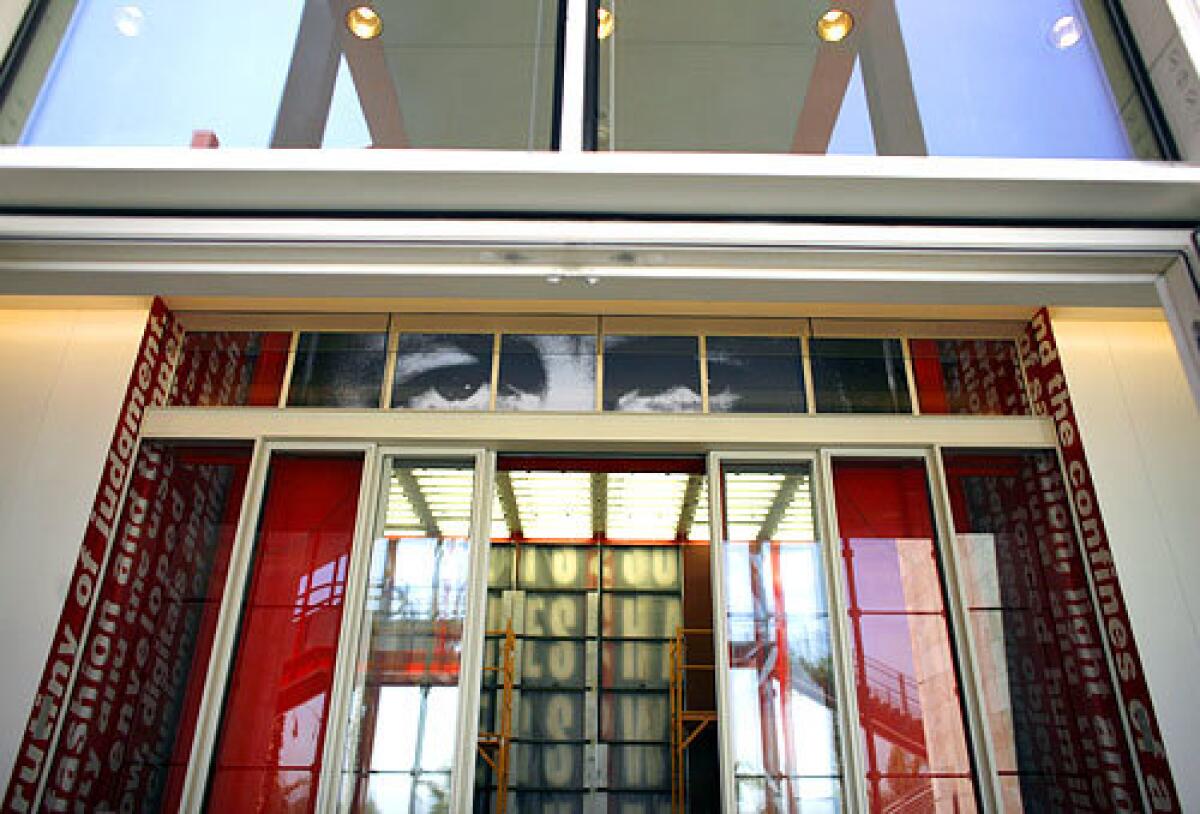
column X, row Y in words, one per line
column 598, row 688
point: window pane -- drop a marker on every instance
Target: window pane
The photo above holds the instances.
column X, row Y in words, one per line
column 252, row 366
column 547, row 372
column 443, row 371
column 781, row 678
column 1020, row 559
column 1014, row 78
column 272, row 727
column 473, row 74
column 754, row 374
column 338, row 370
column 910, row 710
column 159, row 596
column 859, row 376
column 652, row 373
column 971, row 376
column 406, row 709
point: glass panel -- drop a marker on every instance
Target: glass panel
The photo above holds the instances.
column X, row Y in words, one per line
column 338, row 370
column 754, row 374
column 547, row 372
column 443, row 371
column 859, row 376
column 159, row 596
column 160, row 74
column 910, row 711
column 251, row 367
column 1007, row 78
column 971, row 376
column 1021, row 562
column 781, row 683
column 273, row 724
column 652, row 373
column 403, row 721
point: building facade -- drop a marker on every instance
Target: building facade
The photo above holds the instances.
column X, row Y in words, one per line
column 682, row 407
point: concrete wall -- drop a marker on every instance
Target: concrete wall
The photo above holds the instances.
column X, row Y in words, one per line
column 63, row 375
column 1141, row 429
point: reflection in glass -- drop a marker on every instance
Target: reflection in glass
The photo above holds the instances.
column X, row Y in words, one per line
column 968, row 376
column 754, row 374
column 1020, row 561
column 859, row 376
column 909, row 700
column 1005, row 78
column 231, row 369
column 652, row 373
column 781, row 679
column 472, row 74
column 273, row 724
column 547, row 372
column 443, row 371
column 338, row 370
column 406, row 703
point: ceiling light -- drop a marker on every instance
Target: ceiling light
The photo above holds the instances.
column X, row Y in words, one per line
column 835, row 25
column 554, row 279
column 606, row 23
column 364, row 22
column 1066, row 32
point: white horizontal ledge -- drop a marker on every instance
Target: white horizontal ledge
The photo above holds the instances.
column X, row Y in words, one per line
column 602, row 184
column 589, row 431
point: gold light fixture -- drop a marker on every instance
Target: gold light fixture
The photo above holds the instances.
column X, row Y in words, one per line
column 605, row 23
column 364, row 22
column 835, row 25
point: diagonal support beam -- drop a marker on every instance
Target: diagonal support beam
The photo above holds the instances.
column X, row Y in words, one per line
column 416, row 498
column 377, row 93
column 308, row 89
column 827, row 86
column 779, row 506
column 687, row 508
column 508, row 502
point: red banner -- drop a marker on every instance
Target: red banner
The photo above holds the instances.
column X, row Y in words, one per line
column 1049, row 396
column 149, row 386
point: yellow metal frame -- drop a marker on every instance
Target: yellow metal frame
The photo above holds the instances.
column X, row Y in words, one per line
column 686, row 724
column 501, row 741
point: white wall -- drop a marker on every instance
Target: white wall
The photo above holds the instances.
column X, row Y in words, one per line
column 1141, row 430
column 63, row 375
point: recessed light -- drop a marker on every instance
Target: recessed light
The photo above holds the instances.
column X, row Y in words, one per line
column 364, row 22
column 1066, row 32
column 606, row 23
column 554, row 279
column 835, row 25
column 591, row 280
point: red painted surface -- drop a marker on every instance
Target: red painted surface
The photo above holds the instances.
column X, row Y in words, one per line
column 269, row 747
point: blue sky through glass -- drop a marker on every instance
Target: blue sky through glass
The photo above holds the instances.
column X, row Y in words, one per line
column 991, row 78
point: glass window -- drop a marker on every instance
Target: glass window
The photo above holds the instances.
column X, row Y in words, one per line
column 416, row 73
column 754, row 374
column 1006, row 78
column 338, row 370
column 1021, row 564
column 272, row 728
column 404, row 714
column 910, row 712
column 781, row 685
column 251, row 366
column 968, row 376
column 652, row 373
column 547, row 372
column 443, row 371
column 859, row 376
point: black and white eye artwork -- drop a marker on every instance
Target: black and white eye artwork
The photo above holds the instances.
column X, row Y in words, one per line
column 755, row 374
column 547, row 372
column 652, row 374
column 443, row 371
